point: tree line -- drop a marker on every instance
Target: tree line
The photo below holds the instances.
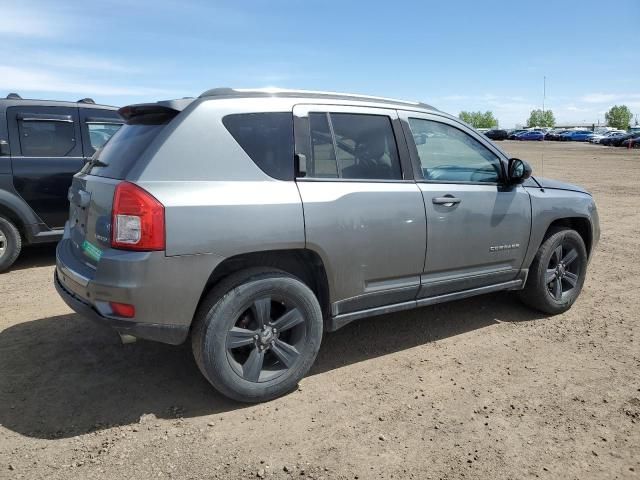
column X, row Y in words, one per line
column 618, row 116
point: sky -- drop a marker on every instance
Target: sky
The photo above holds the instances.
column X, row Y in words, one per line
column 454, row 55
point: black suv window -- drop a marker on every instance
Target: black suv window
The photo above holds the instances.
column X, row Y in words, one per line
column 99, row 133
column 46, row 138
column 447, row 154
column 267, row 138
column 362, row 147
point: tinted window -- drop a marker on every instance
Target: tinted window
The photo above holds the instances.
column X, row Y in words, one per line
column 99, row 133
column 267, row 138
column 123, row 149
column 448, row 154
column 42, row 138
column 362, row 147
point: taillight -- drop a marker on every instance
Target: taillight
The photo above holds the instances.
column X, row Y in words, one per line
column 137, row 222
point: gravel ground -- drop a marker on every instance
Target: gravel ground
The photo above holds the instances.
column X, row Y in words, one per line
column 480, row 388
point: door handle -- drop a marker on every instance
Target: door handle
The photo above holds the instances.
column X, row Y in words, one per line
column 447, row 200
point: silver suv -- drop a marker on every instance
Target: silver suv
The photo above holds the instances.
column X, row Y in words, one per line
column 255, row 220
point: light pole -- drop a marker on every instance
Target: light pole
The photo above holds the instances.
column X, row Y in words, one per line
column 544, row 92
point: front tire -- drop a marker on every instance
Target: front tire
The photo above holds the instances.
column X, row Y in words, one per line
column 257, row 334
column 10, row 244
column 557, row 273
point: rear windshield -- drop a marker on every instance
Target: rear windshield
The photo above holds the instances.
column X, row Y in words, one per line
column 116, row 158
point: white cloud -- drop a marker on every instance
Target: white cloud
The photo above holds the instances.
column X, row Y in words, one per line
column 609, row 97
column 79, row 61
column 16, row 20
column 26, row 79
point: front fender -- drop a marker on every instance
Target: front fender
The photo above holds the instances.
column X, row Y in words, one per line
column 550, row 205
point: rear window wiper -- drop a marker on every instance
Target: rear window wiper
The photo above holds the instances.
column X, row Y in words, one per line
column 94, row 161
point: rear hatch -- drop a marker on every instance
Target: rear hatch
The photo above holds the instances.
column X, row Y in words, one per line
column 92, row 190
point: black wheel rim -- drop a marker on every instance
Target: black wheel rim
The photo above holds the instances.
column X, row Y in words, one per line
column 563, row 271
column 267, row 339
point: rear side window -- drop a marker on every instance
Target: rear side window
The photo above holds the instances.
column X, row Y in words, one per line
column 267, row 138
column 121, row 152
column 46, row 138
column 353, row 146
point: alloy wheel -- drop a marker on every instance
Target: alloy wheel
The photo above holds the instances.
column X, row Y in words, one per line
column 267, row 339
column 563, row 271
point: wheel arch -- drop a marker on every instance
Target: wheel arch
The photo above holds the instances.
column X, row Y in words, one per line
column 14, row 217
column 582, row 225
column 302, row 263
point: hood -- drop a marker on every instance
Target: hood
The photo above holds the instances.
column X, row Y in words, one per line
column 557, row 185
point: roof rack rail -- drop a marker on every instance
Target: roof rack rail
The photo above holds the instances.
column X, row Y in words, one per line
column 237, row 92
column 13, row 96
column 87, row 100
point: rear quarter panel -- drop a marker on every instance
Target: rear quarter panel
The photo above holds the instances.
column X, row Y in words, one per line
column 217, row 200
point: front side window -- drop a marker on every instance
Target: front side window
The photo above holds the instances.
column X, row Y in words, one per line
column 99, row 133
column 267, row 138
column 447, row 154
column 353, row 146
column 46, row 138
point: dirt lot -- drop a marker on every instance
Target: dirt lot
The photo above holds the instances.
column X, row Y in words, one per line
column 481, row 388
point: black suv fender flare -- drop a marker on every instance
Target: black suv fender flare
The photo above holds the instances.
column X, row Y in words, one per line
column 15, row 209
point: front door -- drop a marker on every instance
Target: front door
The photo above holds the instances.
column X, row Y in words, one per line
column 477, row 227
column 363, row 212
column 49, row 153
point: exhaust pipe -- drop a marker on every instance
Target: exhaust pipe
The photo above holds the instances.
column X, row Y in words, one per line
column 125, row 338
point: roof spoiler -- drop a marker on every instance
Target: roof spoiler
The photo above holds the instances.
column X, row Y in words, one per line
column 167, row 107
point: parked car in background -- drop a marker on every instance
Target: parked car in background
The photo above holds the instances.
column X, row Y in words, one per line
column 497, row 134
column 632, row 142
column 617, row 140
column 42, row 145
column 555, row 134
column 576, row 136
column 531, row 135
column 597, row 138
column 278, row 177
column 513, row 134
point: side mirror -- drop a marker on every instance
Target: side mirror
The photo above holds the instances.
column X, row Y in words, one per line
column 4, row 149
column 519, row 171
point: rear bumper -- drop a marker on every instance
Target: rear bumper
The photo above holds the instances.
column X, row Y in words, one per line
column 172, row 334
column 164, row 290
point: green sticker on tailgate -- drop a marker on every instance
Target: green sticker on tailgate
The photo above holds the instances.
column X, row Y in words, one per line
column 91, row 251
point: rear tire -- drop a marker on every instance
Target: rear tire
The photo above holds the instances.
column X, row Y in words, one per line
column 10, row 244
column 557, row 273
column 256, row 334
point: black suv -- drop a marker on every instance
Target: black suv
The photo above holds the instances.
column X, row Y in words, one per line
column 43, row 144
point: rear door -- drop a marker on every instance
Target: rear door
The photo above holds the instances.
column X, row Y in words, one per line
column 46, row 153
column 363, row 212
column 477, row 226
